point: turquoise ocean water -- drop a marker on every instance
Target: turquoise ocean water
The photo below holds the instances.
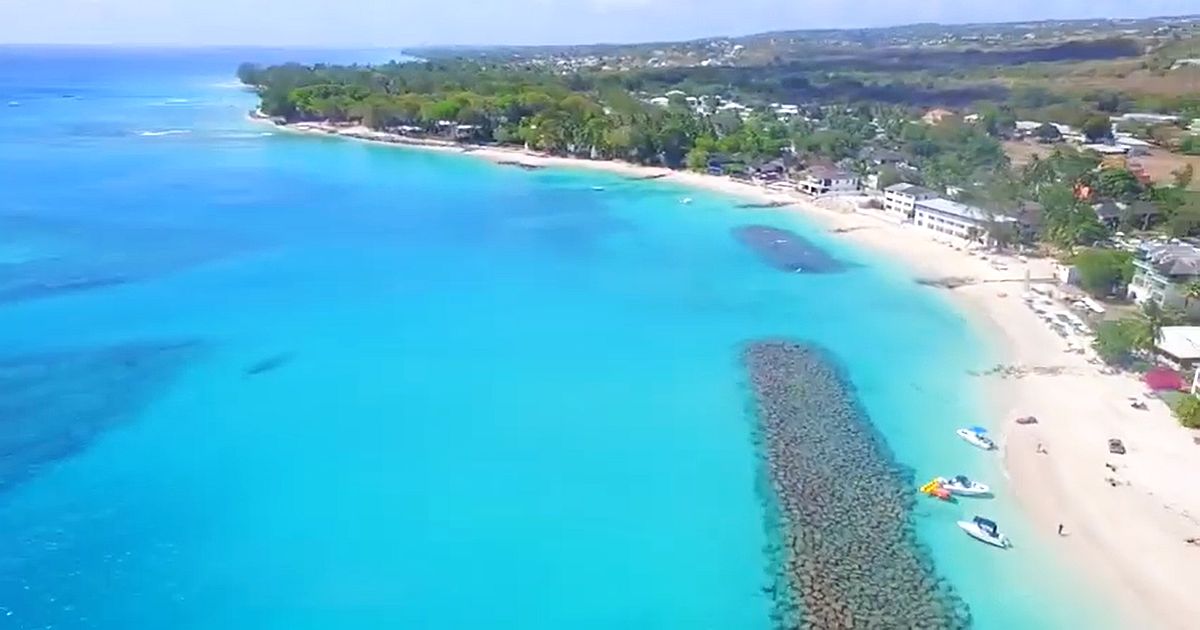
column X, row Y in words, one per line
column 493, row 398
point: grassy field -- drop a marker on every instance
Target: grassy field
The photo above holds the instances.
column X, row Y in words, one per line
column 1129, row 77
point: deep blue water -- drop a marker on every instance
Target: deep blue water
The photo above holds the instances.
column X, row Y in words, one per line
column 506, row 400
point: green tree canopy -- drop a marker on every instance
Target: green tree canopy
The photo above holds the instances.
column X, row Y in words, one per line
column 1117, row 341
column 1103, row 271
column 1118, row 183
column 1187, row 411
column 1097, row 128
column 1048, row 133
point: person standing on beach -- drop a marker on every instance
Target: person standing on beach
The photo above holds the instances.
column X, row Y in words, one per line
column 1060, row 529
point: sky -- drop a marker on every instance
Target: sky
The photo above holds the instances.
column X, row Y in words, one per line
column 392, row 23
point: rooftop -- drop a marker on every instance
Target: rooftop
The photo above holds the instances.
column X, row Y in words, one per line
column 829, row 172
column 909, row 189
column 1108, row 149
column 960, row 210
column 1175, row 259
column 1181, row 342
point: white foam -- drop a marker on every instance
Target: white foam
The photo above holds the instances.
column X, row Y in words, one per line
column 167, row 132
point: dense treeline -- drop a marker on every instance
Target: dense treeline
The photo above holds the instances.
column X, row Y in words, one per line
column 562, row 115
column 597, row 115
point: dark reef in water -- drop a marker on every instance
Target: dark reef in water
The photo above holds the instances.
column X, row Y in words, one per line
column 847, row 547
column 786, row 251
column 273, row 362
column 74, row 254
column 525, row 165
column 35, row 289
column 769, row 204
column 55, row 405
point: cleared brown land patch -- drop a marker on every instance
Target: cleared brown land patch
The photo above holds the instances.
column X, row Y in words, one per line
column 1021, row 153
column 1159, row 164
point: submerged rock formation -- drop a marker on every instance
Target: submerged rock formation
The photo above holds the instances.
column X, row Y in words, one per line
column 65, row 255
column 787, row 251
column 55, row 405
column 847, row 547
column 268, row 364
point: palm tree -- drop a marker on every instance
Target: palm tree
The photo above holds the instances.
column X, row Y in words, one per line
column 1191, row 291
column 1156, row 318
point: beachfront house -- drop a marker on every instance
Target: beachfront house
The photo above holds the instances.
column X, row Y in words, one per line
column 772, row 170
column 821, row 181
column 1179, row 347
column 956, row 219
column 900, row 200
column 720, row 164
column 1138, row 214
column 1027, row 220
column 1162, row 273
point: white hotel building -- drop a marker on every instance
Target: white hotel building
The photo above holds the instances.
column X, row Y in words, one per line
column 901, row 199
column 955, row 219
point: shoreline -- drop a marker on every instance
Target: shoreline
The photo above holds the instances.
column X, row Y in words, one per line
column 1125, row 541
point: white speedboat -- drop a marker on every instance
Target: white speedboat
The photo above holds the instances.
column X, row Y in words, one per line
column 977, row 436
column 963, row 486
column 685, row 200
column 984, row 530
column 597, row 188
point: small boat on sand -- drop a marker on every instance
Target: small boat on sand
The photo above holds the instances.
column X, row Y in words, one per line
column 977, row 436
column 963, row 486
column 984, row 530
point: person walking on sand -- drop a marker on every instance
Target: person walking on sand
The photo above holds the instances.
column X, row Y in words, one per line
column 1040, row 448
column 1060, row 529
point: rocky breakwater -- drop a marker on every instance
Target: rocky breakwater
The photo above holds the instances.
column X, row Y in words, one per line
column 848, row 549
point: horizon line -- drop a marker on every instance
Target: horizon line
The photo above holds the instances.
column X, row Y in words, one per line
column 372, row 46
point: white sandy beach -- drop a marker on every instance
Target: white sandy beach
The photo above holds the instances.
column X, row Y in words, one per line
column 1129, row 539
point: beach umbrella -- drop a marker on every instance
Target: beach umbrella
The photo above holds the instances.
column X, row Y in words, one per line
column 1160, row 379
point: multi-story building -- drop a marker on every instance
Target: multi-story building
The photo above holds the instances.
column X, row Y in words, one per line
column 821, row 181
column 1162, row 275
column 956, row 219
column 901, row 199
